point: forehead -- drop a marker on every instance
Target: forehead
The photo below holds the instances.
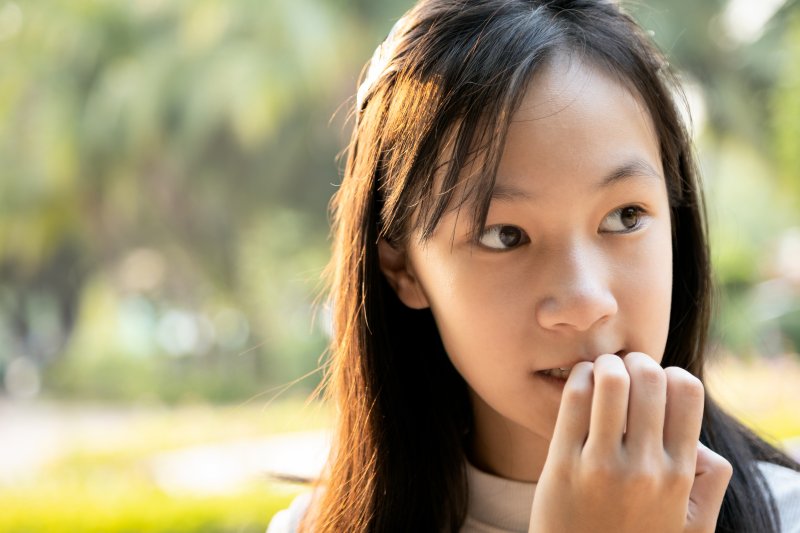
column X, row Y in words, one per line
column 575, row 124
column 576, row 121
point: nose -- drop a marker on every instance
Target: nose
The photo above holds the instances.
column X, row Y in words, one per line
column 577, row 292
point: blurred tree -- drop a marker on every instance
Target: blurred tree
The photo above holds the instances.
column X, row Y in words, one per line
column 166, row 167
column 785, row 112
column 189, row 130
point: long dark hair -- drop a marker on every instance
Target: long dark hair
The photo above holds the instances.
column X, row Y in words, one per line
column 440, row 91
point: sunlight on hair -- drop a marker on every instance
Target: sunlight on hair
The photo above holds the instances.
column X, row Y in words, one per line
column 379, row 62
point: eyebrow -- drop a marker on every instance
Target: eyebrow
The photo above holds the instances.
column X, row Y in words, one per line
column 636, row 168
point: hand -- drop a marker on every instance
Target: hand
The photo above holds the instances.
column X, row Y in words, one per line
column 625, row 455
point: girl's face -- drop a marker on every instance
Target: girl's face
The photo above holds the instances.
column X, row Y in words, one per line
column 575, row 261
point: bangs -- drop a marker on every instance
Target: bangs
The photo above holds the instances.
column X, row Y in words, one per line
column 445, row 104
column 421, row 172
column 469, row 159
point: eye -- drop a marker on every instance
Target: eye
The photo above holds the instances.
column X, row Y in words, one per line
column 625, row 219
column 503, row 237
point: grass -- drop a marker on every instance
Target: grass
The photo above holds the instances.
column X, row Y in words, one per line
column 88, row 504
column 101, row 483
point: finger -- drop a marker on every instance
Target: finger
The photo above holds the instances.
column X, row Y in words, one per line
column 609, row 403
column 712, row 475
column 646, row 403
column 572, row 424
column 683, row 415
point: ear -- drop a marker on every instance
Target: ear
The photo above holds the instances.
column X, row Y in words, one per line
column 397, row 269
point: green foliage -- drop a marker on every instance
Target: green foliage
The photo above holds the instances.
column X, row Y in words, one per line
column 90, row 507
column 746, row 211
column 196, row 133
column 786, row 112
column 166, row 168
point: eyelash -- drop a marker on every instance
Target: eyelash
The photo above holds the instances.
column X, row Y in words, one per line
column 639, row 212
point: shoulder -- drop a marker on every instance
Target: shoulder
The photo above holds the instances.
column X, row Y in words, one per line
column 784, row 483
column 287, row 520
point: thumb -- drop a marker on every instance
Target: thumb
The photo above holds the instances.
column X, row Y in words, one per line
column 712, row 474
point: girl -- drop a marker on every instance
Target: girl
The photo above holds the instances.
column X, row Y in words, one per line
column 521, row 292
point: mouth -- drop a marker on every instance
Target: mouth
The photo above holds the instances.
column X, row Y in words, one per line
column 562, row 372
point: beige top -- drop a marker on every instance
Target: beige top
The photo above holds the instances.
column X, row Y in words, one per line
column 496, row 504
column 499, row 505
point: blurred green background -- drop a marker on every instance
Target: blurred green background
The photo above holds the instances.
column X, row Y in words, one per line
column 165, row 168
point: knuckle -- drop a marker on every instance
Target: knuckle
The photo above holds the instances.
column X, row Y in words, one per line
column 579, row 387
column 613, row 379
column 680, row 474
column 577, row 392
column 604, row 470
column 643, row 479
column 651, row 376
column 638, row 358
column 728, row 471
column 607, row 359
column 682, row 382
column 722, row 466
column 563, row 469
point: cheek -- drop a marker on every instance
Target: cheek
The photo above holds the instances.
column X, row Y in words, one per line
column 476, row 309
column 647, row 294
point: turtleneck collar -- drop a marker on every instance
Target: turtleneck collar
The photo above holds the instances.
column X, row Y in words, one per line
column 502, row 504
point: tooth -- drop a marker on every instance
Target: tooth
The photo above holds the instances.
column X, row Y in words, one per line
column 562, row 373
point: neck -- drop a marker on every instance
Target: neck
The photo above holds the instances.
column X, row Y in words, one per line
column 503, row 448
